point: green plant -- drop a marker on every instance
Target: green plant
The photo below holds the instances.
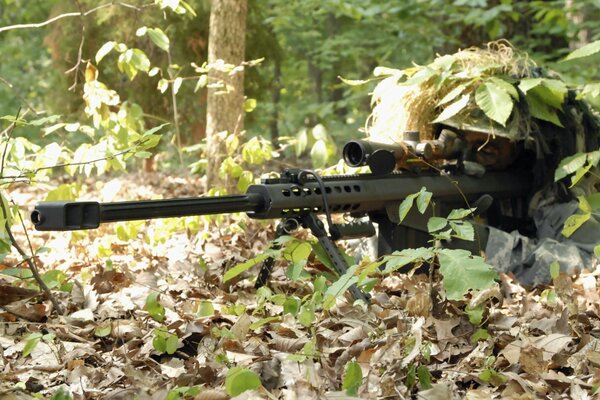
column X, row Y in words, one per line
column 164, row 341
column 239, row 380
column 33, row 339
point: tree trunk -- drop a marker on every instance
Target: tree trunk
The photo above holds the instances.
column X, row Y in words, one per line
column 225, row 106
column 577, row 16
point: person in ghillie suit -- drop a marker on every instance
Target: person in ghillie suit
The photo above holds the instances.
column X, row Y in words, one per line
column 509, row 113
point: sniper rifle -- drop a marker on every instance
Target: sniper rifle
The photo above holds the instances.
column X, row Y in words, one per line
column 297, row 197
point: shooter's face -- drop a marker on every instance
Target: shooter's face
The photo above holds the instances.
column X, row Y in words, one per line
column 491, row 152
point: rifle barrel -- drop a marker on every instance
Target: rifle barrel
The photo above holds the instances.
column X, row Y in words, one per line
column 74, row 215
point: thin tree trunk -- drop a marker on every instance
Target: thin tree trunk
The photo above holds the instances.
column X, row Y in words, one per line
column 225, row 106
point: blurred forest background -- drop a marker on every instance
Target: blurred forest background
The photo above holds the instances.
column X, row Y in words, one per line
column 300, row 48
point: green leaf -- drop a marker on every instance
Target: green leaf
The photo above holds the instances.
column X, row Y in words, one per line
column 159, row 38
column 597, row 251
column 460, row 213
column 205, row 309
column 594, row 201
column 60, row 394
column 202, row 81
column 261, row 322
column 464, row 272
column 343, row 283
column 505, row 86
column 554, row 269
column 171, row 344
column 31, row 343
column 163, row 85
column 124, row 63
column 318, row 154
column 574, row 222
column 496, row 103
column 155, row 129
column 454, row 93
column 246, row 265
column 177, row 84
column 239, row 380
column 553, row 91
column 436, row 223
column 245, row 179
column 539, row 108
column 584, row 205
column 463, row 230
column 404, row 257
column 352, row 378
column 406, row 205
column 425, row 378
column 296, row 271
column 479, row 335
column 297, row 251
column 354, row 82
column 454, row 108
column 154, row 308
column 585, row 51
column 423, row 200
column 140, row 60
column 141, row 31
column 475, row 314
column 529, row 83
column 291, row 305
column 306, row 317
column 569, row 165
column 249, row 105
column 104, row 50
column 103, row 330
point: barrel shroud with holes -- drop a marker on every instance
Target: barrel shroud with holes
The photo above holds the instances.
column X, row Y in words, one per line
column 298, row 197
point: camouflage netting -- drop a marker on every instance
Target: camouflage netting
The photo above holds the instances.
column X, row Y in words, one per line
column 525, row 103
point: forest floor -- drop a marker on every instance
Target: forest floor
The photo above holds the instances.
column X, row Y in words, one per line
column 146, row 315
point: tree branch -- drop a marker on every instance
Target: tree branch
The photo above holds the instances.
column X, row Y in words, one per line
column 71, row 14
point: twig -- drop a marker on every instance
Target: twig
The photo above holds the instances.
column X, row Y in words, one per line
column 35, row 171
column 175, row 117
column 29, row 259
column 79, row 53
column 32, row 264
column 71, row 14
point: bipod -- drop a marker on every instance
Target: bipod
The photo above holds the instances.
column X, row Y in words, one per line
column 317, row 228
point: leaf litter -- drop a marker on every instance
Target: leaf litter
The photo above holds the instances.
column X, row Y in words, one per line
column 199, row 333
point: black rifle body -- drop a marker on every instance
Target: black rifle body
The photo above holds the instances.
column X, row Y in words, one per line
column 278, row 198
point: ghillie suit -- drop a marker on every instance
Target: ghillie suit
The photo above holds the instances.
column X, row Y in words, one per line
column 508, row 113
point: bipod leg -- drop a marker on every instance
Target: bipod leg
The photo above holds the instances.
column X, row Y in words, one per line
column 283, row 228
column 333, row 253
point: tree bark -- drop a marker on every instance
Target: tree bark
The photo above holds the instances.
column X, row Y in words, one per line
column 225, row 106
column 577, row 16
